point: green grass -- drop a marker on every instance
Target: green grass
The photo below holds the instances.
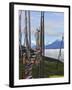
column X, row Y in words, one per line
column 21, row 70
column 56, row 76
column 47, row 69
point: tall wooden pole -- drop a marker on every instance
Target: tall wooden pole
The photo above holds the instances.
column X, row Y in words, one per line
column 26, row 35
column 29, row 25
column 20, row 35
column 60, row 48
column 60, row 52
column 42, row 33
column 28, row 65
column 41, row 72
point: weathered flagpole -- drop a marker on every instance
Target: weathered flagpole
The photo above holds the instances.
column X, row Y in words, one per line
column 20, row 35
column 28, row 67
column 41, row 70
column 60, row 51
column 29, row 25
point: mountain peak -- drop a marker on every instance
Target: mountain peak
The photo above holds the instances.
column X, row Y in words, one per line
column 55, row 45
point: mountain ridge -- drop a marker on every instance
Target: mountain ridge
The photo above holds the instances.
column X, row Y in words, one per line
column 57, row 44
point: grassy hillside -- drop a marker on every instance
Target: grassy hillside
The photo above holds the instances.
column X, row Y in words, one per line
column 46, row 69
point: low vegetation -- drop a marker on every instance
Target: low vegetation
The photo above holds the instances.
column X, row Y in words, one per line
column 48, row 68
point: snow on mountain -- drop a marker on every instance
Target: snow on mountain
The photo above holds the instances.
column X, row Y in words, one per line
column 55, row 45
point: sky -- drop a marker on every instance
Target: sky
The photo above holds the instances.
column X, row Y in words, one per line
column 53, row 26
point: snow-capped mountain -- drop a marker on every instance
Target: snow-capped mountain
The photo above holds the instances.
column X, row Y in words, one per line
column 55, row 45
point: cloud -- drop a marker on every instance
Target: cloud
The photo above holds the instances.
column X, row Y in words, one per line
column 56, row 34
column 58, row 14
column 33, row 42
column 51, row 25
column 54, row 28
column 48, row 42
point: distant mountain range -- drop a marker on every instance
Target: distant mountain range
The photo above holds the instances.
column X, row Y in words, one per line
column 55, row 45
